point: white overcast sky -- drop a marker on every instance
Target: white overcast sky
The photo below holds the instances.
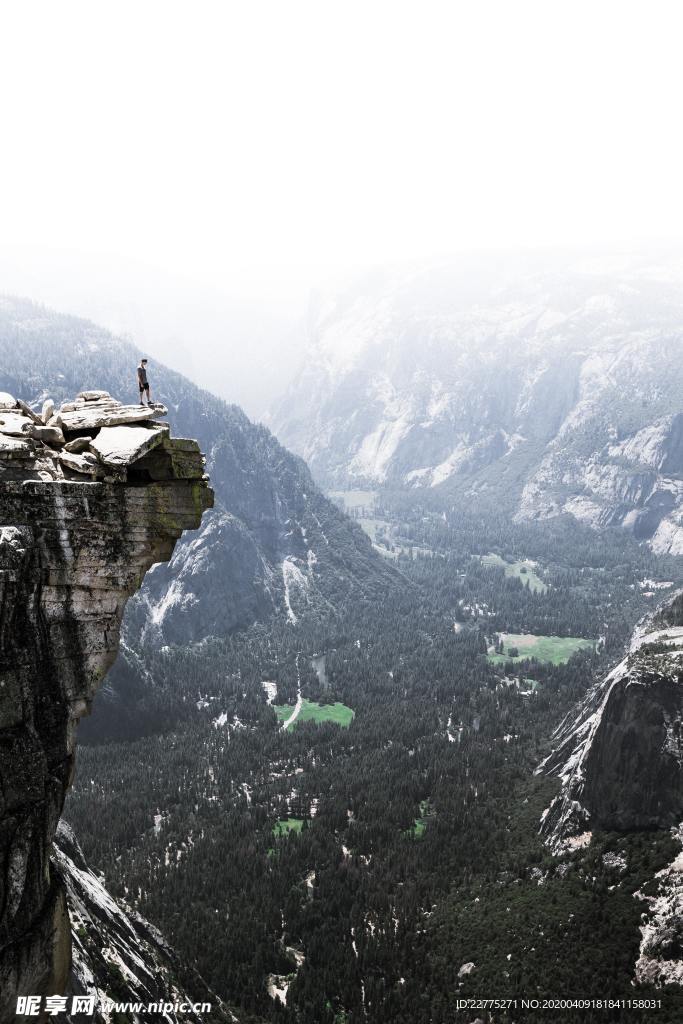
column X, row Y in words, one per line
column 260, row 146
column 278, row 139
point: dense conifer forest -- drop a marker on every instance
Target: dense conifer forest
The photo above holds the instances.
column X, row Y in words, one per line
column 382, row 870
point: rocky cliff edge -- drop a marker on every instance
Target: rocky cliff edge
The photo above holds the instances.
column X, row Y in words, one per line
column 91, row 496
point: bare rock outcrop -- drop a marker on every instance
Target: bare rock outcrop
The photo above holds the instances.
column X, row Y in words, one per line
column 118, row 954
column 636, row 483
column 620, row 757
column 660, row 961
column 78, row 531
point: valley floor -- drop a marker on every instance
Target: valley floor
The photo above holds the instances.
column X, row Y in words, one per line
column 356, row 838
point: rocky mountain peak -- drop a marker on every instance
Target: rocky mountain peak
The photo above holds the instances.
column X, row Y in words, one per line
column 91, row 496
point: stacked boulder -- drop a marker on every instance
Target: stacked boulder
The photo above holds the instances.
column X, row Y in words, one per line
column 94, row 436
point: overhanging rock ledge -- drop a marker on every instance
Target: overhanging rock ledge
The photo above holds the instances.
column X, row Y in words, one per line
column 91, row 496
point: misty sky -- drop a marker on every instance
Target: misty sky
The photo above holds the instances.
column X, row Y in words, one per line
column 244, row 151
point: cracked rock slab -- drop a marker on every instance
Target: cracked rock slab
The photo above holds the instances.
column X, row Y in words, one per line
column 92, row 415
column 121, row 445
column 14, row 423
column 84, row 463
column 16, row 447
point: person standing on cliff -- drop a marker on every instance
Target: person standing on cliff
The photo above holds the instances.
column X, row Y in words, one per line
column 143, row 383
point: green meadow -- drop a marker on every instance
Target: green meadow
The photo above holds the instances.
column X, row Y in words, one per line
column 283, row 828
column 554, row 649
column 338, row 713
column 355, row 499
column 417, row 830
column 523, row 570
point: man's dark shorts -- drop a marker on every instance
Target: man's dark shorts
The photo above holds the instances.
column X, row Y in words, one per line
column 144, row 387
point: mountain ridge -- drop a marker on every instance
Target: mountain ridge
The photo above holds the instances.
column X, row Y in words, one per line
column 426, row 379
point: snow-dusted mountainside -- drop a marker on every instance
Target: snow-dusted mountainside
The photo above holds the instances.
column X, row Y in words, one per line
column 573, row 374
column 273, row 544
column 118, row 956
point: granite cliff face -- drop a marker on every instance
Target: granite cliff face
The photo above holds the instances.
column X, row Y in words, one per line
column 555, row 387
column 91, row 496
column 621, row 765
column 117, row 953
column 621, row 757
column 635, row 483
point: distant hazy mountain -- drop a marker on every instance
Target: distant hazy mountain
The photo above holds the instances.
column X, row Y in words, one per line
column 273, row 544
column 573, row 375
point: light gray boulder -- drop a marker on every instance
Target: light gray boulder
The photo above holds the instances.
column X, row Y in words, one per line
column 15, row 424
column 121, row 445
column 84, row 463
column 78, row 445
column 49, row 435
column 92, row 396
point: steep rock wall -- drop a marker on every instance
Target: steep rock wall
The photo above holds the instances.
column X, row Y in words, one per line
column 117, row 953
column 620, row 758
column 72, row 550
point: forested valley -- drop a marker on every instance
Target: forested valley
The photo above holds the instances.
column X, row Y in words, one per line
column 377, row 862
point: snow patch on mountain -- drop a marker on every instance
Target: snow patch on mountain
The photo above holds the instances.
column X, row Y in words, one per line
column 172, row 596
column 295, row 584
